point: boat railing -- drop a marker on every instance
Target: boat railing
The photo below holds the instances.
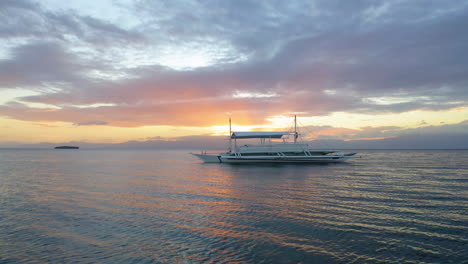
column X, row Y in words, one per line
column 204, row 152
column 273, row 147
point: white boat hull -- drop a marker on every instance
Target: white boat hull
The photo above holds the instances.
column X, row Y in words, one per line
column 207, row 158
column 286, row 159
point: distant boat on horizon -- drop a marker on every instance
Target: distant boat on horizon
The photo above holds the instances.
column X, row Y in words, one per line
column 266, row 151
column 66, row 147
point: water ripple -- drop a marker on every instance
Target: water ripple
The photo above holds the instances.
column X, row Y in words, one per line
column 165, row 207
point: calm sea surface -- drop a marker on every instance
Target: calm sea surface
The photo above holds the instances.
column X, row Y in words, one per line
column 140, row 206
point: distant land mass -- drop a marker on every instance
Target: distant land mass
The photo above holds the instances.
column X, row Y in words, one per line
column 66, row 147
column 206, row 142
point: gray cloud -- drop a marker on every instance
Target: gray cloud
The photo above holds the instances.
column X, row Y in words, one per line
column 381, row 132
column 39, row 63
column 28, row 19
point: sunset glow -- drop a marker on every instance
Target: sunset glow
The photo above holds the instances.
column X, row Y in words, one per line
column 118, row 71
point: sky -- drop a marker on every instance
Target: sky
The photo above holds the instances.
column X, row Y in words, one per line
column 113, row 71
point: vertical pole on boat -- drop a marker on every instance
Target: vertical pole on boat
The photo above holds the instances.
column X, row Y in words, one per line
column 295, row 129
column 230, row 135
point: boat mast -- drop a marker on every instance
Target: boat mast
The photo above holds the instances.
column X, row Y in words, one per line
column 295, row 129
column 230, row 135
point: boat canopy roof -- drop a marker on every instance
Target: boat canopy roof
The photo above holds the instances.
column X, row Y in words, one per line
column 258, row 134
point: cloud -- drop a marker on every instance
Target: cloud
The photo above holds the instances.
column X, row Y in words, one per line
column 381, row 132
column 315, row 57
column 28, row 19
column 40, row 64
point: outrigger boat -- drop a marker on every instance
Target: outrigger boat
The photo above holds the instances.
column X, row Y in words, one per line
column 271, row 152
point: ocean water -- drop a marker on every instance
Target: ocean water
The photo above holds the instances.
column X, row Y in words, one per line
column 145, row 206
